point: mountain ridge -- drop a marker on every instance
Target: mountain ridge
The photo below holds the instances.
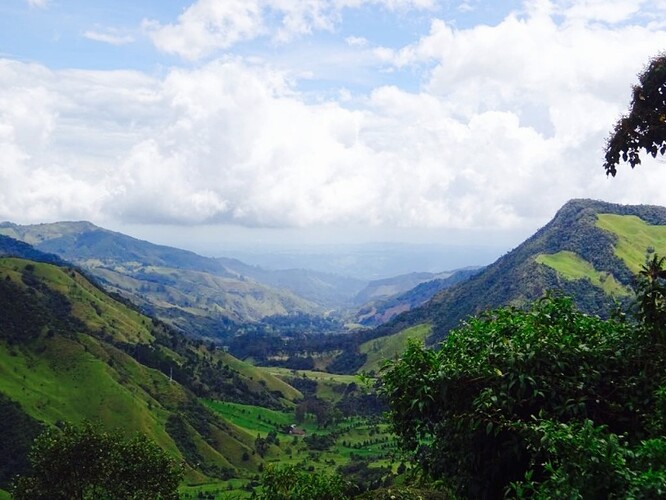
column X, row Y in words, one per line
column 516, row 277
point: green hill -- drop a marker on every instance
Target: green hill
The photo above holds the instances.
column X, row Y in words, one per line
column 70, row 352
column 590, row 250
column 380, row 350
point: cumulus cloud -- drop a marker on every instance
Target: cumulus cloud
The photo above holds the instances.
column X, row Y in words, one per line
column 210, row 25
column 508, row 124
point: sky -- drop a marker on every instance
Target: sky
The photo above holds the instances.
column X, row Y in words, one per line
column 202, row 123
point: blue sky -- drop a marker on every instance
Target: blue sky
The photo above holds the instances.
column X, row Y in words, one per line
column 412, row 120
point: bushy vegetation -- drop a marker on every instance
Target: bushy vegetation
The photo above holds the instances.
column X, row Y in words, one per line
column 545, row 402
column 291, row 483
column 86, row 462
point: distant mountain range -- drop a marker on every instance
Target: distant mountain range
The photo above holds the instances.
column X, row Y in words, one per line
column 211, row 297
column 198, row 294
column 382, row 300
column 591, row 250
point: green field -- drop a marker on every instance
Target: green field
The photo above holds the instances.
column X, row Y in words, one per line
column 635, row 236
column 572, row 267
column 388, row 348
column 354, row 436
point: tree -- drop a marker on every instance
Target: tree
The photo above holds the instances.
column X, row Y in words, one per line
column 289, row 483
column 86, row 462
column 651, row 296
column 519, row 400
column 644, row 128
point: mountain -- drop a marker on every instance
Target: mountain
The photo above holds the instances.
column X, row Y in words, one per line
column 385, row 288
column 198, row 294
column 591, row 250
column 10, row 247
column 69, row 351
column 325, row 289
column 393, row 296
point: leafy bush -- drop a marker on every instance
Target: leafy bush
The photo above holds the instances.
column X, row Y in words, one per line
column 86, row 462
column 291, row 483
column 486, row 410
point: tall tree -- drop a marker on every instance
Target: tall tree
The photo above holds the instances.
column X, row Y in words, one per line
column 644, row 128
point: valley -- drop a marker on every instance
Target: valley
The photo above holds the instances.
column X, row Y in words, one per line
column 100, row 327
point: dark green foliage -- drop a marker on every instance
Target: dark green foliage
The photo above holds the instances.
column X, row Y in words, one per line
column 27, row 312
column 87, row 462
column 584, row 460
column 319, row 442
column 357, row 402
column 291, row 483
column 651, row 296
column 362, row 477
column 484, row 410
column 262, row 347
column 18, row 431
column 644, row 128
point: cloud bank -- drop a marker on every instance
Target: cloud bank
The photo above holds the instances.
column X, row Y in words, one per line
column 509, row 123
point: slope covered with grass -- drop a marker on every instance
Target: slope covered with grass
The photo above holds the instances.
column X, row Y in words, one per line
column 387, row 348
column 69, row 352
column 572, row 267
column 634, row 237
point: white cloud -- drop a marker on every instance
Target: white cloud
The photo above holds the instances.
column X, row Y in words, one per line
column 356, row 41
column 608, row 11
column 208, row 26
column 111, row 37
column 508, row 124
column 38, row 3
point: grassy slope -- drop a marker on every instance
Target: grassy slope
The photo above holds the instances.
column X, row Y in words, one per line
column 82, row 375
column 330, row 386
column 386, row 348
column 635, row 236
column 572, row 267
column 257, row 376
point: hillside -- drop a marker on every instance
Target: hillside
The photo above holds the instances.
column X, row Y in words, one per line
column 396, row 295
column 68, row 351
column 590, row 250
column 197, row 294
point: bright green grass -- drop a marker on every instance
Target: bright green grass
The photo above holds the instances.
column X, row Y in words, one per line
column 232, row 489
column 634, row 237
column 4, row 495
column 386, row 348
column 311, row 374
column 252, row 418
column 67, row 383
column 572, row 267
column 357, row 436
